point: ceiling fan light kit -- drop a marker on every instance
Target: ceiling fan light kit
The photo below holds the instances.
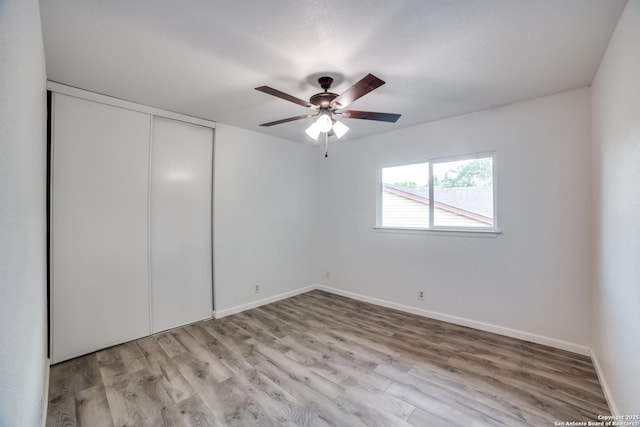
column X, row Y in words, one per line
column 339, row 129
column 326, row 104
column 324, row 122
column 313, row 131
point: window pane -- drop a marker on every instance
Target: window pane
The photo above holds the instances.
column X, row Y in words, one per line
column 463, row 193
column 405, row 196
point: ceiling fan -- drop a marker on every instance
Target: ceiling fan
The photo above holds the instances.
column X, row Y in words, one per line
column 327, row 105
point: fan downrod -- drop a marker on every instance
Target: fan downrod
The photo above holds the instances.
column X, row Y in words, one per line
column 323, row 100
column 325, row 82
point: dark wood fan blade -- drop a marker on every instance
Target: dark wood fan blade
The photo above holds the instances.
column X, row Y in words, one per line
column 370, row 115
column 285, row 96
column 358, row 90
column 290, row 119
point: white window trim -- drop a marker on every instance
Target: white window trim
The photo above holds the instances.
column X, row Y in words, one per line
column 458, row 232
column 434, row 230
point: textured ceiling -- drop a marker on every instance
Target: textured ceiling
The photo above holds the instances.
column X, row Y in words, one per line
column 440, row 58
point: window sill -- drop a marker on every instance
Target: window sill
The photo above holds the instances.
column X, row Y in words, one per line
column 441, row 232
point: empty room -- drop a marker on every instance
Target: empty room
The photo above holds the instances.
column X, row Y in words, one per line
column 319, row 213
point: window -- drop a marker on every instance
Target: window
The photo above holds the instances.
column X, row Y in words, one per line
column 462, row 190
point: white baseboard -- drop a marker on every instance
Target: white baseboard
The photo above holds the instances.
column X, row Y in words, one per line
column 500, row 330
column 217, row 314
column 605, row 387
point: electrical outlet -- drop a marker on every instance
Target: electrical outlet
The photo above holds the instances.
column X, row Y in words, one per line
column 421, row 295
column 257, row 289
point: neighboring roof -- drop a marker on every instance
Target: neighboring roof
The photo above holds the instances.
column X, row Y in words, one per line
column 478, row 200
column 473, row 200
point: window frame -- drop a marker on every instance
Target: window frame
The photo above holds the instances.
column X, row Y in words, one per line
column 434, row 229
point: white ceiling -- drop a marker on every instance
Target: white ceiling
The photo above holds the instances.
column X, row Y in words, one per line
column 440, row 58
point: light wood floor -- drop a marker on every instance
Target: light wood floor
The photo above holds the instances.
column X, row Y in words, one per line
column 319, row 359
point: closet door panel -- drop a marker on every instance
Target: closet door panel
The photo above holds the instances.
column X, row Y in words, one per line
column 181, row 263
column 99, row 228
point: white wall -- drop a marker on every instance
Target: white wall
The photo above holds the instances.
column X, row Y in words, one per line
column 533, row 278
column 266, row 217
column 616, row 160
column 22, row 214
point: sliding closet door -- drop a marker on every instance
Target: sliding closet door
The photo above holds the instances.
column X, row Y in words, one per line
column 181, row 167
column 99, row 231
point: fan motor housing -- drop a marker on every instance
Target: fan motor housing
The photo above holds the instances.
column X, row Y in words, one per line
column 323, row 99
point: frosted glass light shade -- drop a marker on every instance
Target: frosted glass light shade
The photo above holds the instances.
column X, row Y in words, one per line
column 324, row 123
column 340, row 129
column 313, row 131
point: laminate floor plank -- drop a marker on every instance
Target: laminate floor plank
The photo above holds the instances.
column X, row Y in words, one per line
column 319, row 360
column 76, row 374
column 208, row 363
column 67, row 397
column 328, row 363
column 420, row 418
column 393, row 406
column 363, row 352
column 225, row 403
column 138, row 399
column 189, row 405
column 531, row 404
column 298, row 372
column 514, row 403
column 479, row 397
column 110, row 364
column 61, row 411
column 315, row 403
column 229, row 357
column 368, row 413
column 522, row 382
column 169, row 344
column 253, row 327
column 93, row 408
column 488, row 406
column 132, row 357
column 238, row 355
column 259, row 387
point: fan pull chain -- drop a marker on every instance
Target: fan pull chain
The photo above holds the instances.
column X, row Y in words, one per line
column 326, row 144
